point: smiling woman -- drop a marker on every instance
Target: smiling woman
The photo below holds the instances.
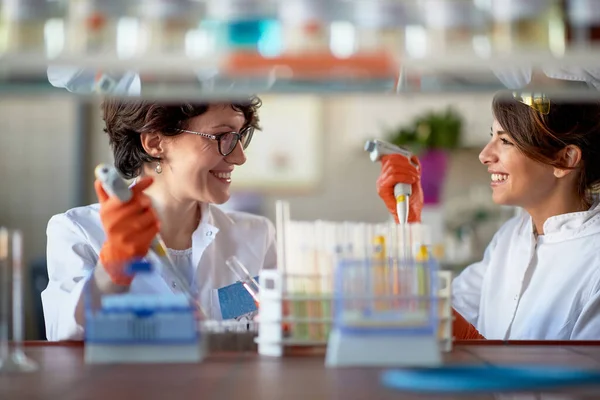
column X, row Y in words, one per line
column 540, row 275
column 182, row 157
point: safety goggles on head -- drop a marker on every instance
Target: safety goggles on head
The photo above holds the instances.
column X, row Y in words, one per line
column 538, row 101
column 227, row 141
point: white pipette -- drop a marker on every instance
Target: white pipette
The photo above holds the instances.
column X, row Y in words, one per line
column 402, row 191
column 114, row 185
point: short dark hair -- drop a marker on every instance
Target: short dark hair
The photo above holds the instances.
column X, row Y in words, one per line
column 540, row 137
column 126, row 120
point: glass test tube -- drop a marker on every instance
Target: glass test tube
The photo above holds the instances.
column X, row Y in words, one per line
column 244, row 277
column 12, row 359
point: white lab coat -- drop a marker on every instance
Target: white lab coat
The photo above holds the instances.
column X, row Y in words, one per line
column 75, row 239
column 544, row 288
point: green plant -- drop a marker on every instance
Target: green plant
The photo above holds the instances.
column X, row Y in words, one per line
column 432, row 130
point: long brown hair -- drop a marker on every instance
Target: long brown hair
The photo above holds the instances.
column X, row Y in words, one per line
column 540, row 137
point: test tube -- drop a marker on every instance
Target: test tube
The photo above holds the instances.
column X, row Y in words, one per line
column 244, row 276
column 13, row 359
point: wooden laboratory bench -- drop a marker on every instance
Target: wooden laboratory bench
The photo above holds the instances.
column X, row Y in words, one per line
column 63, row 375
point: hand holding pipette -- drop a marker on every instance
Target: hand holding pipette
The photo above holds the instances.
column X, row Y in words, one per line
column 396, row 168
column 130, row 227
column 142, row 227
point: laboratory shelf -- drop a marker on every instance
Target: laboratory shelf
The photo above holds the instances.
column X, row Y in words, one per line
column 239, row 74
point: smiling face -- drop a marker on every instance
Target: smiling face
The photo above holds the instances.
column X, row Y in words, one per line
column 517, row 180
column 192, row 167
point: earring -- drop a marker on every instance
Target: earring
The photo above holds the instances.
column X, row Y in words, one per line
column 158, row 168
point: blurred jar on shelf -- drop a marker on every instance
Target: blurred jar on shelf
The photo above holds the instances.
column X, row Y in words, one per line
column 526, row 25
column 243, row 25
column 583, row 22
column 380, row 25
column 165, row 24
column 93, row 25
column 446, row 27
column 22, row 26
column 305, row 25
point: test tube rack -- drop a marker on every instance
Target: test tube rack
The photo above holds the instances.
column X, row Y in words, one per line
column 296, row 298
column 280, row 330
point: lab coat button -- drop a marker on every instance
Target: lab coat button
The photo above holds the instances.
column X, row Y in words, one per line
column 173, row 284
column 209, row 233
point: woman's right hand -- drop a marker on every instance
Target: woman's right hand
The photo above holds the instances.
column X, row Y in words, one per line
column 396, row 168
column 130, row 228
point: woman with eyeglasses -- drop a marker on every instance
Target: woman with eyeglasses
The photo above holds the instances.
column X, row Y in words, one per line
column 539, row 278
column 182, row 158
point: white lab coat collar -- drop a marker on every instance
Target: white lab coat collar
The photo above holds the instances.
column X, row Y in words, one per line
column 565, row 226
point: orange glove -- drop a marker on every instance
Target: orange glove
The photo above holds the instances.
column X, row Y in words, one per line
column 397, row 169
column 463, row 330
column 130, row 228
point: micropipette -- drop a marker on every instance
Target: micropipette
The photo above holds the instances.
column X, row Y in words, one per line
column 402, row 191
column 114, row 185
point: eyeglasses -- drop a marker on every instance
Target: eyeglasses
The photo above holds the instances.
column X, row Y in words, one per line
column 538, row 101
column 228, row 141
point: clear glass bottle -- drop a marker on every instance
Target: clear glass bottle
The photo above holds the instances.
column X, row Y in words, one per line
column 247, row 25
column 304, row 25
column 380, row 25
column 22, row 26
column 583, row 18
column 445, row 26
column 92, row 26
column 164, row 25
column 527, row 25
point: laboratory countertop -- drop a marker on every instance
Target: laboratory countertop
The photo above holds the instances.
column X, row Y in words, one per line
column 63, row 375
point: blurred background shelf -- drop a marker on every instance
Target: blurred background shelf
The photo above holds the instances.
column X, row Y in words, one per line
column 240, row 74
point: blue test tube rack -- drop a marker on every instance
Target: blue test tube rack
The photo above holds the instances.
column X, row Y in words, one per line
column 385, row 314
column 141, row 328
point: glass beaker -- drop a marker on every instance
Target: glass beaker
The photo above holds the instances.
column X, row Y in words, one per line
column 12, row 356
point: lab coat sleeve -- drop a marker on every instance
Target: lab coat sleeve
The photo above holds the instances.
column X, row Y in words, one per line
column 587, row 325
column 466, row 287
column 70, row 260
column 271, row 247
